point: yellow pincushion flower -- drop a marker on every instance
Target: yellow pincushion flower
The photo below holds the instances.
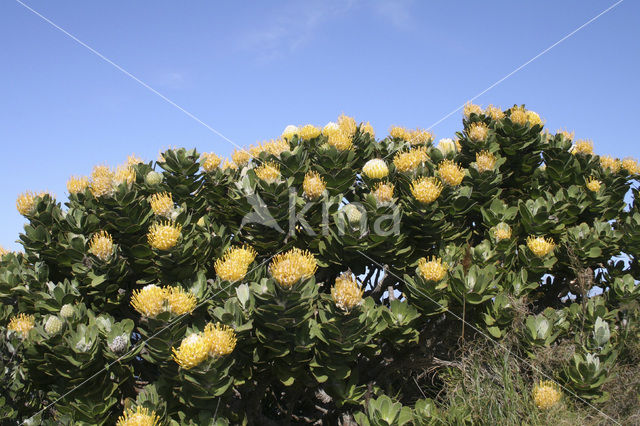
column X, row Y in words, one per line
column 226, row 164
column 124, row 175
column 292, row 266
column 375, row 169
column 26, row 203
column 494, row 112
column 209, row 161
column 631, row 165
column 397, row 132
column 546, row 394
column 593, row 184
column 502, row 231
column 426, row 189
column 470, row 108
column 610, row 163
column 101, row 245
column 309, row 131
column 450, row 173
column 268, row 172
column 330, row 128
column 162, row 204
column 518, row 115
column 366, row 128
column 193, row 350
column 241, row 157
column 447, row 145
column 340, row 140
column 290, row 131
column 234, row 264
column 221, row 338
column 346, row 293
column 540, row 246
column 149, row 301
column 276, row 147
column 3, row 251
column 485, row 161
column 180, row 301
column 566, row 134
column 478, row 132
column 133, row 159
column 584, row 147
column 22, row 324
column 408, row 161
column 347, row 125
column 77, row 184
column 383, row 193
column 255, row 151
column 432, row 270
column 164, row 236
column 533, row 118
column 138, row 417
column 313, row 185
column 102, row 181
column 420, row 137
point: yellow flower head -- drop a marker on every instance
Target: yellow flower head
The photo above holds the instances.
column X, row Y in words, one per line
column 593, row 184
column 162, row 204
column 101, row 245
column 309, row 131
column 290, row 131
column 375, row 169
column 268, row 172
column 149, row 300
column 432, row 270
column 221, row 339
column 420, row 137
column 209, row 161
column 383, row 193
column 313, row 185
column 340, row 140
column 164, row 236
column 485, row 161
column 478, row 132
column 470, row 108
column 133, row 159
column 567, row 134
column 276, row 147
column 631, row 165
column 518, row 115
column 346, row 293
column 540, row 246
column 138, row 417
column 256, row 150
column 366, row 128
column 124, row 174
column 193, row 350
column 22, row 324
column 533, row 118
column 546, row 394
column 102, row 181
column 494, row 112
column 226, row 164
column 3, row 251
column 584, row 147
column 292, row 266
column 408, row 161
column 77, row 184
column 397, row 132
column 447, row 145
column 450, row 173
column 241, row 157
column 234, row 264
column 347, row 125
column 180, row 301
column 426, row 189
column 330, row 128
column 26, row 203
column 610, row 163
column 502, row 231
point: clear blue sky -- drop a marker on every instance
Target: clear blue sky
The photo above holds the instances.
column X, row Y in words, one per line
column 249, row 69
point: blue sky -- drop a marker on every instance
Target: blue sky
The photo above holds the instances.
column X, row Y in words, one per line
column 249, row 69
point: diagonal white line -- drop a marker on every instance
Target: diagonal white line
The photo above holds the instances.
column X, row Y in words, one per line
column 141, row 343
column 499, row 344
column 128, row 74
column 527, row 63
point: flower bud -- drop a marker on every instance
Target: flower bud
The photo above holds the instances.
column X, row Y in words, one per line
column 153, row 178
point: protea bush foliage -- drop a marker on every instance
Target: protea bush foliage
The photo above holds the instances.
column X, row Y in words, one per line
column 326, row 276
